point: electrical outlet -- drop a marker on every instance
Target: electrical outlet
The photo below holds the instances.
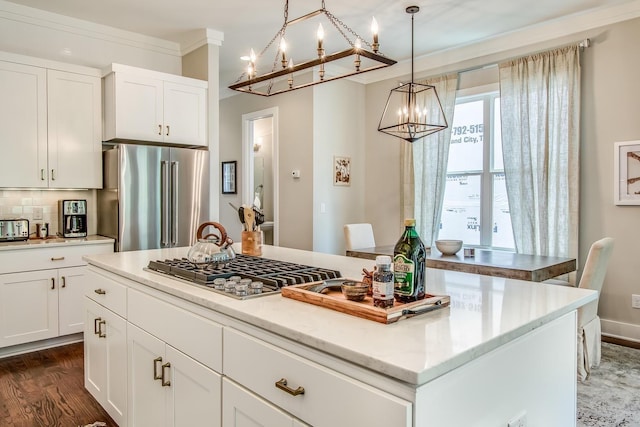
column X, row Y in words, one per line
column 519, row 420
column 635, row 301
column 37, row 213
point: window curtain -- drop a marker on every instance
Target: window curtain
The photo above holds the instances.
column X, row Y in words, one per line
column 540, row 112
column 424, row 167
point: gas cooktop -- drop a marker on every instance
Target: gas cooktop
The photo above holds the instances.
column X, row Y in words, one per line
column 249, row 270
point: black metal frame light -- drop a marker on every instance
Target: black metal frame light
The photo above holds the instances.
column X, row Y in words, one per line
column 281, row 77
column 413, row 110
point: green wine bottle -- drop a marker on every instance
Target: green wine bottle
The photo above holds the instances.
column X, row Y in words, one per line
column 409, row 257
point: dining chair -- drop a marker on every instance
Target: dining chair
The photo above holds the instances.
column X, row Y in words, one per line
column 589, row 332
column 358, row 236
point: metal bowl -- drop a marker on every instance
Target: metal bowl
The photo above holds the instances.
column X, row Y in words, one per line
column 355, row 291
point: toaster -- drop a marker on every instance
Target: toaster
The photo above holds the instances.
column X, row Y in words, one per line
column 14, row 229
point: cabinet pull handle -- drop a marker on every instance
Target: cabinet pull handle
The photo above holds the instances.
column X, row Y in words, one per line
column 42, row 177
column 53, row 174
column 156, row 376
column 100, row 333
column 282, row 385
column 159, row 129
column 60, row 258
column 167, row 130
column 64, row 281
column 53, row 283
column 165, row 383
column 95, row 325
column 100, row 291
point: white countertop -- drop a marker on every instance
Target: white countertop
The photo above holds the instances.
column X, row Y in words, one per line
column 54, row 241
column 485, row 313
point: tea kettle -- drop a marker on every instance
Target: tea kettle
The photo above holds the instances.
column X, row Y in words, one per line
column 211, row 249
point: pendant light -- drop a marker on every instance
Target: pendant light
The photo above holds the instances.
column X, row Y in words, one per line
column 413, row 110
column 284, row 75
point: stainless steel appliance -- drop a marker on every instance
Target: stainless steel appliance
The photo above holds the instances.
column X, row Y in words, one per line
column 14, row 229
column 153, row 197
column 72, row 218
column 273, row 274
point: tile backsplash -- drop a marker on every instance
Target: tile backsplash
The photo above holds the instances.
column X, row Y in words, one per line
column 40, row 206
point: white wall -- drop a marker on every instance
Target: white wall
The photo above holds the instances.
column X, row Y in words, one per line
column 338, row 120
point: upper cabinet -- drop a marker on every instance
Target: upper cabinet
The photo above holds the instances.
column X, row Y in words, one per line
column 144, row 105
column 50, row 127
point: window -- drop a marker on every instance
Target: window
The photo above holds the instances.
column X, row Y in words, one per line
column 475, row 207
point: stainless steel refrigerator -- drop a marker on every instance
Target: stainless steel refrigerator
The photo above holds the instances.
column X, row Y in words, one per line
column 153, row 197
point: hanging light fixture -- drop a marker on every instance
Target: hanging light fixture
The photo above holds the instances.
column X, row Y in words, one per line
column 413, row 110
column 285, row 75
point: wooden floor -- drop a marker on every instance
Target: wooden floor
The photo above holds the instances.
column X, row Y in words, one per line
column 46, row 388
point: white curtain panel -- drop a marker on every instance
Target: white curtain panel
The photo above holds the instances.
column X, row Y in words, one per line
column 540, row 111
column 424, row 167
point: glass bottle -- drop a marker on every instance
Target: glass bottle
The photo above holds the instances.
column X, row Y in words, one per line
column 383, row 282
column 409, row 256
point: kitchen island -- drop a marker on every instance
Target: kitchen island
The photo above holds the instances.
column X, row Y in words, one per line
column 504, row 349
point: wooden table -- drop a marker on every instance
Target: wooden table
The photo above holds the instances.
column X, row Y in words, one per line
column 511, row 265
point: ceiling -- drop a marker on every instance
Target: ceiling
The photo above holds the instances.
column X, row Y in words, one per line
column 440, row 24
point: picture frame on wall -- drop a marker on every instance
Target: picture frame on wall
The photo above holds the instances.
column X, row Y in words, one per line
column 229, row 177
column 341, row 170
column 627, row 173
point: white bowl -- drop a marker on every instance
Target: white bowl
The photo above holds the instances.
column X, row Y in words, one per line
column 449, row 247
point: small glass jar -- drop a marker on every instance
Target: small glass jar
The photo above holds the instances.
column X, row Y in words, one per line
column 230, row 286
column 219, row 284
column 235, row 278
column 245, row 282
column 256, row 288
column 241, row 289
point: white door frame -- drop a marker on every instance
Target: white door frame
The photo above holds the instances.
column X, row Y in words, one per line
column 247, row 163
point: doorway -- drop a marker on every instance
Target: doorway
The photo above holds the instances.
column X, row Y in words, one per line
column 260, row 167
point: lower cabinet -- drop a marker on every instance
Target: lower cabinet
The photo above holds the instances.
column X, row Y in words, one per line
column 37, row 305
column 105, row 359
column 241, row 408
column 168, row 388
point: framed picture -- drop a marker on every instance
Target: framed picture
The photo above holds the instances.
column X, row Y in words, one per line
column 627, row 173
column 229, row 177
column 341, row 170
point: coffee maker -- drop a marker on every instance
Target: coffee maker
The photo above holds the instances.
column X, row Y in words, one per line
column 72, row 218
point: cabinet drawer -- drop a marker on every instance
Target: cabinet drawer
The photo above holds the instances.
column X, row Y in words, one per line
column 42, row 258
column 329, row 399
column 107, row 292
column 194, row 335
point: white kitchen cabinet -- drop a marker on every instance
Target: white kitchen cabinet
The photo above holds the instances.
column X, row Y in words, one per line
column 43, row 304
column 306, row 389
column 145, row 105
column 168, row 388
column 50, row 127
column 105, row 359
column 241, row 408
column 41, row 290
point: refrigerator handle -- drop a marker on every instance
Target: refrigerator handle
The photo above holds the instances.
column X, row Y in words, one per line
column 174, row 203
column 164, row 203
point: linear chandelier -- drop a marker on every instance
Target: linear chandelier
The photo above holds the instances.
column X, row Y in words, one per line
column 413, row 110
column 285, row 75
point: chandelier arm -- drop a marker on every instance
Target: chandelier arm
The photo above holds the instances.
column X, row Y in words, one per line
column 338, row 23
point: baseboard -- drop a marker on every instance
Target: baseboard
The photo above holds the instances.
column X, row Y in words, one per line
column 620, row 331
column 16, row 350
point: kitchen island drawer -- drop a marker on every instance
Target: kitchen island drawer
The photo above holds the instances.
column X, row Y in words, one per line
column 329, row 397
column 106, row 291
column 198, row 337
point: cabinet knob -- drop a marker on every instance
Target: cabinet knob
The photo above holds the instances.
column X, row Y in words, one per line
column 100, row 333
column 156, row 375
column 53, row 174
column 100, row 291
column 159, row 129
column 64, row 281
column 53, row 283
column 60, row 258
column 95, row 325
column 167, row 130
column 282, row 385
column 42, row 177
column 165, row 382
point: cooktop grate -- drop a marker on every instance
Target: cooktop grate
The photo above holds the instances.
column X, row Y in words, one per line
column 273, row 274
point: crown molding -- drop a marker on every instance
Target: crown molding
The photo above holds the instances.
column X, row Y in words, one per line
column 544, row 32
column 197, row 39
column 31, row 16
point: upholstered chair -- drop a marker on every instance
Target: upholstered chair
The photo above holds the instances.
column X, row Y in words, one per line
column 357, row 236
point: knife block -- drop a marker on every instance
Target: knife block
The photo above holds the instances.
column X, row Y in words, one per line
column 252, row 243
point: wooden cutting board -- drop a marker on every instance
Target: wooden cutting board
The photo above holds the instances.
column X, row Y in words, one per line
column 335, row 300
